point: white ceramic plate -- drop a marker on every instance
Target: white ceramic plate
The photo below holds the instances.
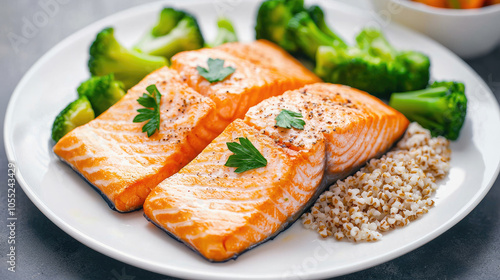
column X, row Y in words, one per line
column 75, row 207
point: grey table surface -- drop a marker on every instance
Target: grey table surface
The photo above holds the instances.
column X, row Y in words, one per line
column 469, row 250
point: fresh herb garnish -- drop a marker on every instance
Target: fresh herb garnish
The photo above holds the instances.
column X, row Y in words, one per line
column 287, row 119
column 152, row 101
column 246, row 156
column 216, row 71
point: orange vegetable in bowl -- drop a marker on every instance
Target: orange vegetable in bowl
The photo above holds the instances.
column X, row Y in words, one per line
column 466, row 4
column 433, row 3
column 492, row 2
column 458, row 4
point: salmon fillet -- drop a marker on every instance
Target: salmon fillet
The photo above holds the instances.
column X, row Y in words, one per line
column 220, row 213
column 356, row 125
column 270, row 56
column 120, row 161
column 123, row 164
column 252, row 82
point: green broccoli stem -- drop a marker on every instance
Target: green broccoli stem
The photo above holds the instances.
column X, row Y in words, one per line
column 170, row 44
column 318, row 16
column 308, row 36
column 441, row 108
column 416, row 102
column 374, row 42
column 169, row 17
column 427, row 107
column 272, row 21
column 108, row 56
column 138, row 65
column 225, row 33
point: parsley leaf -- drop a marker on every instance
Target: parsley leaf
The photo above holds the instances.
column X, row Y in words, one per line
column 152, row 115
column 246, row 156
column 216, row 71
column 287, row 119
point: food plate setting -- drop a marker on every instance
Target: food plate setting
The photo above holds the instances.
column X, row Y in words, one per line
column 68, row 200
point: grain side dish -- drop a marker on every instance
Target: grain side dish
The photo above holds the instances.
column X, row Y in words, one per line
column 387, row 193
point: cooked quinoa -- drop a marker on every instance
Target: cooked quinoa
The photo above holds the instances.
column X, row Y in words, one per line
column 388, row 192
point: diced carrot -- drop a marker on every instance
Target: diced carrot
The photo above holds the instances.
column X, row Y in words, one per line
column 471, row 4
column 433, row 3
column 492, row 2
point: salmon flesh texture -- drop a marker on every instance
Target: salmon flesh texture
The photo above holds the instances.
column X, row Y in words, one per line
column 221, row 214
column 113, row 154
column 252, row 82
column 123, row 164
column 356, row 125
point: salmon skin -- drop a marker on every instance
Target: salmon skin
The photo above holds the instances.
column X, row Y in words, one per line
column 222, row 214
column 257, row 76
column 113, row 154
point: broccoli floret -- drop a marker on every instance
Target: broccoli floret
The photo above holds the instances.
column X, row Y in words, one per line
column 108, row 56
column 318, row 16
column 417, row 66
column 168, row 19
column 356, row 68
column 77, row 113
column 441, row 108
column 414, row 67
column 373, row 65
column 272, row 22
column 374, row 43
column 225, row 33
column 102, row 92
column 175, row 31
column 308, row 36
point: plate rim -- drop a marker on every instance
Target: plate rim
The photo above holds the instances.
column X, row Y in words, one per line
column 179, row 272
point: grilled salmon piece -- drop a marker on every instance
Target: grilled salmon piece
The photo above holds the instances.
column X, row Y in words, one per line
column 120, row 161
column 252, row 82
column 270, row 56
column 220, row 213
column 357, row 126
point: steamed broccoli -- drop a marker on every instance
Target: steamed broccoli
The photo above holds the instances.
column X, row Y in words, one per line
column 373, row 65
column 307, row 35
column 102, row 92
column 441, row 108
column 374, row 43
column 318, row 16
column 412, row 67
column 417, row 66
column 77, row 113
column 225, row 33
column 353, row 67
column 108, row 56
column 272, row 22
column 174, row 32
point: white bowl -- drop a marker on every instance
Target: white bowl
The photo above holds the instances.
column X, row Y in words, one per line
column 468, row 33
